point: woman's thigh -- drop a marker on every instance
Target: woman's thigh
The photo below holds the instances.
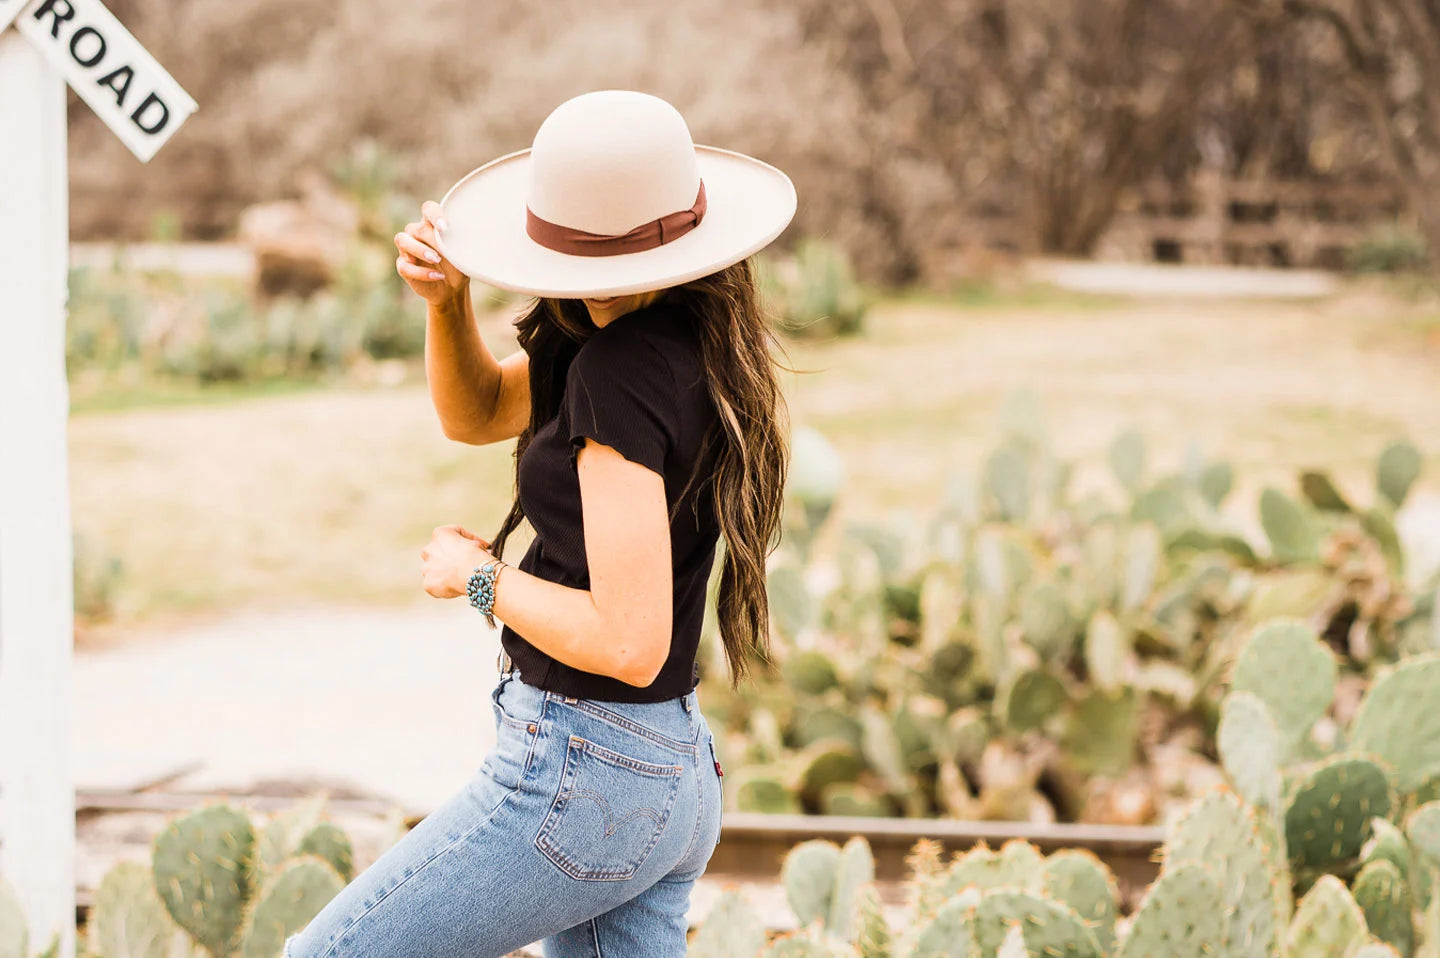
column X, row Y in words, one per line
column 575, row 811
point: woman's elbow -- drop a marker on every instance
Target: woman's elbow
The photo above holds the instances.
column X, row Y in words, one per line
column 641, row 665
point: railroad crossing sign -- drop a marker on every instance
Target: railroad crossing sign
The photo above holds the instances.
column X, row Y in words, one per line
column 54, row 42
column 106, row 67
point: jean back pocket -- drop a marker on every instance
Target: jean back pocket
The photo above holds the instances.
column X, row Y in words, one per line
column 608, row 813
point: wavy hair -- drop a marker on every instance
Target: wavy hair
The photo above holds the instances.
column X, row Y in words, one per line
column 745, row 454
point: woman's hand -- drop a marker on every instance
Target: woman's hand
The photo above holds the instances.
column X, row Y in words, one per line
column 420, row 264
column 450, row 558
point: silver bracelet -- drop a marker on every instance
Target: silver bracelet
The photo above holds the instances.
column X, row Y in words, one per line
column 481, row 588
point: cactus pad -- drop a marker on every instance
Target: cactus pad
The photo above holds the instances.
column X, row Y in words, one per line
column 872, row 933
column 1220, row 832
column 808, row 874
column 1030, row 698
column 809, row 671
column 1249, row 747
column 1398, row 467
column 204, row 869
column 329, row 841
column 1328, row 818
column 731, row 929
column 293, row 896
column 128, row 918
column 1075, row 877
column 1050, row 928
column 1398, row 723
column 1328, row 922
column 950, row 933
column 854, row 871
column 1423, row 828
column 1293, row 534
column 1181, row 916
column 1381, row 893
column 1289, row 648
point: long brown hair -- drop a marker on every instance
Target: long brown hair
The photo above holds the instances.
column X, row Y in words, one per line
column 746, row 454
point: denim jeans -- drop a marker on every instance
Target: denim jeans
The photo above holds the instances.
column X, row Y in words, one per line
column 584, row 829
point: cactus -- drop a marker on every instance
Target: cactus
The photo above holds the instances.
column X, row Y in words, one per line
column 732, row 929
column 1049, row 928
column 827, row 762
column 329, row 841
column 808, row 874
column 1181, row 916
column 205, row 871
column 1045, row 620
column 1107, row 650
column 1291, row 649
column 759, row 789
column 950, row 932
column 1080, row 880
column 128, row 919
column 14, row 934
column 1374, row 949
column 1397, row 470
column 1219, row 832
column 1101, row 731
column 1328, row 923
column 1030, row 698
column 854, row 872
column 1382, row 895
column 282, row 834
column 1127, row 460
column 1249, row 747
column 848, row 798
column 292, row 897
column 1017, row 864
column 1328, row 818
column 810, row 671
column 1396, row 723
column 1294, row 536
column 872, row 934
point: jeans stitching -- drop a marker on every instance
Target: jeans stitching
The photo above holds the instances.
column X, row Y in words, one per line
column 623, row 722
column 595, row 936
column 559, row 856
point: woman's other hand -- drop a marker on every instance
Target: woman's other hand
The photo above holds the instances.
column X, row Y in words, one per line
column 420, row 264
column 449, row 559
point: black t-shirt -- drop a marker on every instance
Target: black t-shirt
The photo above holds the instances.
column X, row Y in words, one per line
column 637, row 385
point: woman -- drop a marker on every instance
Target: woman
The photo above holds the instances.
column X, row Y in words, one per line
column 648, row 421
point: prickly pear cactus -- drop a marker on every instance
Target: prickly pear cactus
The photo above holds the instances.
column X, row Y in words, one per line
column 1017, row 864
column 1289, row 648
column 1397, row 721
column 1014, row 944
column 854, row 871
column 283, row 831
column 1049, row 927
column 1328, row 923
column 1374, row 949
column 1328, row 819
column 731, row 929
column 329, row 841
column 204, row 867
column 808, row 874
column 950, row 932
column 1381, row 893
column 1398, row 467
column 1219, row 832
column 1075, row 877
column 1291, row 528
column 1249, row 746
column 1422, row 827
column 1181, row 916
column 14, row 935
column 1030, row 699
column 872, row 935
column 128, row 919
column 292, row 896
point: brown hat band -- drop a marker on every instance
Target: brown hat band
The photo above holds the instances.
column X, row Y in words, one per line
column 564, row 239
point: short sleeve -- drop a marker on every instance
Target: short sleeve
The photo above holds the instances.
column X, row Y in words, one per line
column 620, row 391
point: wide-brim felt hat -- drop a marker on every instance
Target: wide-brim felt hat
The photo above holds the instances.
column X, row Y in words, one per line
column 613, row 197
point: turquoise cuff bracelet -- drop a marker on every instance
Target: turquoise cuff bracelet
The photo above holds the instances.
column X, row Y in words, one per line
column 481, row 589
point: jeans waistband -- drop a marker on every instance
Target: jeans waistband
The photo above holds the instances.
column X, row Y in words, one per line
column 506, row 665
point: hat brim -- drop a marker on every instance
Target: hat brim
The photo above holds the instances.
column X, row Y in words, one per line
column 748, row 204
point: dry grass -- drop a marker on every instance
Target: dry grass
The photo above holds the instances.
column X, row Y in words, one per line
column 329, row 496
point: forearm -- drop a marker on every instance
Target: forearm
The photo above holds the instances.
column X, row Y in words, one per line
column 463, row 374
column 566, row 625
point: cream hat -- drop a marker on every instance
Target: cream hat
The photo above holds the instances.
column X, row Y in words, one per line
column 611, row 198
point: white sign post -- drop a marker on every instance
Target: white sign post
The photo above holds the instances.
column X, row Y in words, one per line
column 55, row 41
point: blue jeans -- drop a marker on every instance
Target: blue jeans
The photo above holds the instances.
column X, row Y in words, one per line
column 585, row 829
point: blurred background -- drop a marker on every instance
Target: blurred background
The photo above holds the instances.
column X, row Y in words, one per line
column 1119, row 333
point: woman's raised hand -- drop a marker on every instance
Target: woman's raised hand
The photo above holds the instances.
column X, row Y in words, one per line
column 420, row 264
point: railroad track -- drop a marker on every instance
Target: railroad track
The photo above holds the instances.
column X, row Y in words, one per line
column 752, row 845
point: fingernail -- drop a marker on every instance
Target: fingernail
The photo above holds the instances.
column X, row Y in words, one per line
column 432, row 256
column 440, row 222
column 436, row 274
